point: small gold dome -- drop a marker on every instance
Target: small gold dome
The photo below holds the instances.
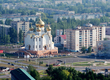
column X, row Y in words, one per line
column 41, row 22
column 38, row 29
column 48, row 28
column 31, row 29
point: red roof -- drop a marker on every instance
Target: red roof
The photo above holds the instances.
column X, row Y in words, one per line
column 63, row 36
column 1, row 51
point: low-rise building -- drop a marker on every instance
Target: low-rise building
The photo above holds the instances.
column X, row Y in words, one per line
column 61, row 39
column 20, row 25
column 20, row 17
column 103, row 48
column 4, row 29
column 55, row 11
column 78, row 16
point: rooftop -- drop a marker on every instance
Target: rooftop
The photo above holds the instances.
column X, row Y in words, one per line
column 63, row 36
column 21, row 74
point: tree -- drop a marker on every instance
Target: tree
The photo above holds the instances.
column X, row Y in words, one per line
column 89, row 49
column 49, row 70
column 20, row 36
column 46, row 78
column 105, row 39
column 35, row 74
column 7, row 38
column 32, row 12
column 64, row 74
column 30, row 68
column 83, row 49
column 1, row 22
column 8, row 21
column 13, row 35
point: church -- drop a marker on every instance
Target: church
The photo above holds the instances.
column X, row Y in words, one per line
column 40, row 42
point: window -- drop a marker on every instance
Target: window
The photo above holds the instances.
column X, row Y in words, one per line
column 39, row 46
column 36, row 39
column 33, row 46
column 36, row 46
column 39, row 39
column 33, row 39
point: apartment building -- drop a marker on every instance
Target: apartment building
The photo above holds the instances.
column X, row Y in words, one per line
column 59, row 32
column 84, row 36
column 55, row 11
column 17, row 25
column 4, row 28
column 18, row 17
column 83, row 16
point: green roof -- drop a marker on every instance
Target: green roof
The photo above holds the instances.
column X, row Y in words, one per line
column 21, row 74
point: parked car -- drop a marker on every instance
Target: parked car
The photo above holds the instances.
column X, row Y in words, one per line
column 9, row 63
column 59, row 55
column 55, row 56
column 64, row 55
column 12, row 64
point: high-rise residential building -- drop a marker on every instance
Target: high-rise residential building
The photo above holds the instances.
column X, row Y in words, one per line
column 59, row 32
column 84, row 36
column 20, row 25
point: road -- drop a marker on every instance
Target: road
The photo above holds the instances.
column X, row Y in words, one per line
column 80, row 58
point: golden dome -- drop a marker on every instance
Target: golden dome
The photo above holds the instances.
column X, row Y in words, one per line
column 31, row 29
column 48, row 28
column 38, row 29
column 40, row 23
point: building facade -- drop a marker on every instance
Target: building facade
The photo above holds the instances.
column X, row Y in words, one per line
column 4, row 28
column 103, row 48
column 61, row 39
column 78, row 16
column 20, row 25
column 20, row 17
column 40, row 41
column 84, row 36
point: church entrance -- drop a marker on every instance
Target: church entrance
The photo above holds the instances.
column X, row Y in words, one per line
column 29, row 47
column 45, row 47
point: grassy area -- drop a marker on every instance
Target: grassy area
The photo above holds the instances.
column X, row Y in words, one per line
column 54, row 58
column 6, row 65
column 5, row 79
column 42, row 73
column 33, row 63
column 2, row 74
column 82, row 64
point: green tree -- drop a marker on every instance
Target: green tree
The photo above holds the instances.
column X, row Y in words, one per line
column 7, row 39
column 32, row 12
column 35, row 74
column 1, row 22
column 64, row 74
column 13, row 35
column 89, row 49
column 8, row 21
column 83, row 49
column 105, row 39
column 30, row 68
column 46, row 78
column 20, row 36
column 49, row 70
